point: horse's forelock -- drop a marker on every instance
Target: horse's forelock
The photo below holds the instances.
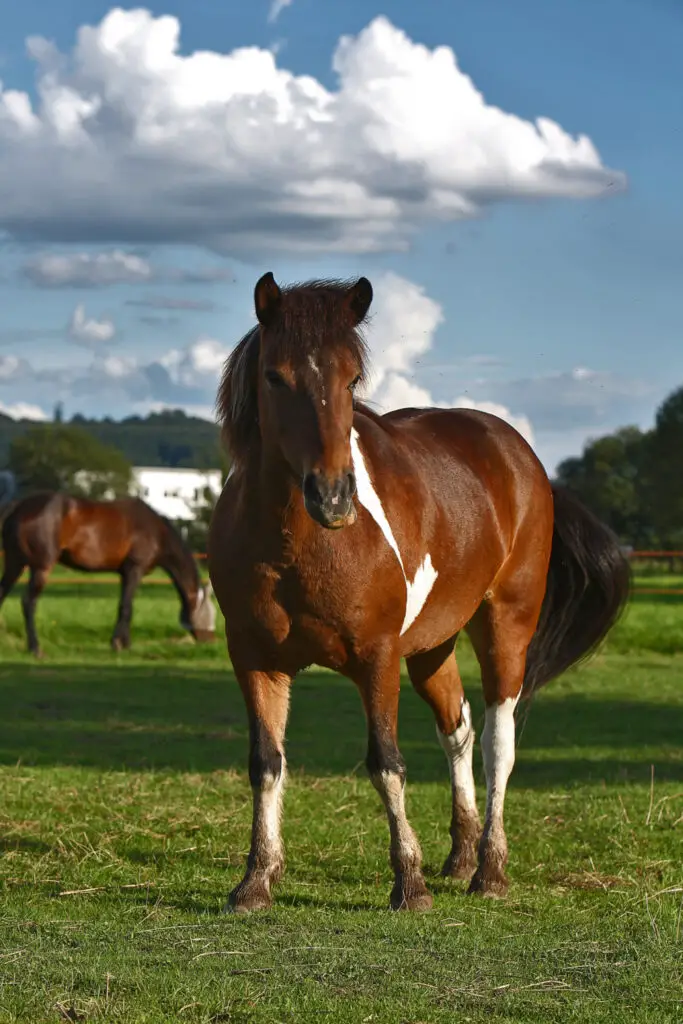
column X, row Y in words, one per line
column 314, row 315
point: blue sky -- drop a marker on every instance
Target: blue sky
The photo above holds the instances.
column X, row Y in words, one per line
column 562, row 310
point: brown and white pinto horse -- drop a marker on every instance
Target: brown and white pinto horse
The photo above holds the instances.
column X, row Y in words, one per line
column 351, row 540
column 124, row 536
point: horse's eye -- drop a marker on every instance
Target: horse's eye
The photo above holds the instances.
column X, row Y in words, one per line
column 274, row 379
column 354, row 383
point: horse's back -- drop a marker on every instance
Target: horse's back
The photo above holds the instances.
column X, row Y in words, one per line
column 466, row 458
column 103, row 534
column 472, row 437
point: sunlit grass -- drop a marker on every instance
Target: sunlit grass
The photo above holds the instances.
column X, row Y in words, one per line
column 125, row 813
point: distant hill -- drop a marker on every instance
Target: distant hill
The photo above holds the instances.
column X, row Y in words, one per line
column 169, row 438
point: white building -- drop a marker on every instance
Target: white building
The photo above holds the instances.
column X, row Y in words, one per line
column 175, row 493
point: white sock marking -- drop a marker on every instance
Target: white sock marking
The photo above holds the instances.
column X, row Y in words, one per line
column 419, row 590
column 459, row 748
column 498, row 749
column 392, row 791
column 270, row 808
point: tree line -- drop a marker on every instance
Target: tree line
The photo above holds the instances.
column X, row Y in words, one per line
column 633, row 479
column 168, row 438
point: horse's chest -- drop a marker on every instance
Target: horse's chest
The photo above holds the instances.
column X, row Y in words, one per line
column 306, row 616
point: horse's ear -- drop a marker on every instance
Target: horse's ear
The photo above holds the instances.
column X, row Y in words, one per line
column 359, row 297
column 267, row 298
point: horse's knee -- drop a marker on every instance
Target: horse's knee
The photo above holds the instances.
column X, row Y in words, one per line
column 266, row 761
column 383, row 757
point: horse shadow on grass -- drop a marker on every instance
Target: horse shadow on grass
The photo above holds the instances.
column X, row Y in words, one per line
column 170, row 718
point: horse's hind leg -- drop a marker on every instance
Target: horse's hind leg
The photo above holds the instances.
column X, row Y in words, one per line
column 436, row 678
column 36, row 585
column 500, row 632
column 14, row 566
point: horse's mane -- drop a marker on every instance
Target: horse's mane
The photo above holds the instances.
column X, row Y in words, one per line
column 313, row 316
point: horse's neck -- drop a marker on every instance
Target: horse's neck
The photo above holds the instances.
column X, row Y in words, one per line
column 272, row 498
column 182, row 568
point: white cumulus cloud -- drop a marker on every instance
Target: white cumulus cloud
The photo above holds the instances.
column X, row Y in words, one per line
column 23, row 411
column 402, row 330
column 84, row 330
column 100, row 269
column 10, row 366
column 119, row 367
column 200, row 363
column 87, row 270
column 276, row 9
column 132, row 142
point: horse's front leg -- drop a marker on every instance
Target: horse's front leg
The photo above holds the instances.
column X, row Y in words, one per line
column 131, row 576
column 266, row 695
column 379, row 685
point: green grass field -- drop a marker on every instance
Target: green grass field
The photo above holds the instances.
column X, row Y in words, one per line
column 125, row 814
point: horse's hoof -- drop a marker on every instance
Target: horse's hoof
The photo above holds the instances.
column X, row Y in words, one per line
column 118, row 644
column 460, row 865
column 417, row 898
column 38, row 653
column 244, row 900
column 487, row 883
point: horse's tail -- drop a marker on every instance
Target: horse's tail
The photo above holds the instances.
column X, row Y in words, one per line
column 588, row 585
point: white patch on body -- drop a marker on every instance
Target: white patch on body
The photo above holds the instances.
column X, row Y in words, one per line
column 420, row 588
column 313, row 365
column 498, row 750
column 459, row 748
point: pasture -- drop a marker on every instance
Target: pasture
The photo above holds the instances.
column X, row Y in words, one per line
column 125, row 814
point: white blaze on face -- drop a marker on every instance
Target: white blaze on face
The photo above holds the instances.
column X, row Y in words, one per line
column 312, row 362
column 420, row 588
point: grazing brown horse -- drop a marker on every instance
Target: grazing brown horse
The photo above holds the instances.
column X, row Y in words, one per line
column 351, row 540
column 124, row 536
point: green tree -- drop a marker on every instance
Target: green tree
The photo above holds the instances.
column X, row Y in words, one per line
column 61, row 457
column 665, row 470
column 610, row 478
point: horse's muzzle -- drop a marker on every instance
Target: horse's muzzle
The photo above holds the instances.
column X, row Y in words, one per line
column 330, row 503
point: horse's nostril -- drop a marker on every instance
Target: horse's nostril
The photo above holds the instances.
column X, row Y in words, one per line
column 312, row 488
column 351, row 478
